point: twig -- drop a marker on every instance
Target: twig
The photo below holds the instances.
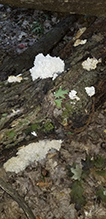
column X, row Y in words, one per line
column 8, row 189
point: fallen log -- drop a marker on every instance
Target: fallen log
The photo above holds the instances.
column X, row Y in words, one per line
column 94, row 8
column 31, row 105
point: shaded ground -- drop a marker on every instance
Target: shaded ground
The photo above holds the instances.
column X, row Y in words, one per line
column 50, row 188
column 20, row 28
column 46, row 186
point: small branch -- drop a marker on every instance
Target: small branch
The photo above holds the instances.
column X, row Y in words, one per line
column 8, row 189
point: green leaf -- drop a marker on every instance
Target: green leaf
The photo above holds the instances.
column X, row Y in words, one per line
column 4, row 114
column 60, row 93
column 99, row 162
column 77, row 196
column 70, row 133
column 58, row 102
column 101, row 194
column 37, row 28
column 77, row 171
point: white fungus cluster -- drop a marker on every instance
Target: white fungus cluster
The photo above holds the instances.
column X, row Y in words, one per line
column 90, row 90
column 90, row 63
column 46, row 67
column 30, row 153
column 73, row 95
column 14, row 79
column 79, row 42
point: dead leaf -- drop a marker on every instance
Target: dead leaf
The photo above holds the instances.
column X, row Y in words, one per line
column 43, row 184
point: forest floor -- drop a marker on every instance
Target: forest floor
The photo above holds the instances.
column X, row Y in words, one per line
column 70, row 183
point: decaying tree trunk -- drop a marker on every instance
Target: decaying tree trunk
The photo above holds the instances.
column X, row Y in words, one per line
column 94, row 7
column 30, row 105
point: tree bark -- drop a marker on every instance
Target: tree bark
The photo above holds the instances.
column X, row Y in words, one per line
column 30, row 105
column 87, row 7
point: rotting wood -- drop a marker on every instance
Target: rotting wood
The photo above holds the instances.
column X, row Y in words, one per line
column 88, row 7
column 35, row 100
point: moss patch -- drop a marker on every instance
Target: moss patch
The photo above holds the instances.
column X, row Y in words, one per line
column 48, row 126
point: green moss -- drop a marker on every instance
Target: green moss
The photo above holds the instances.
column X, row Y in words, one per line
column 41, row 126
column 67, row 112
column 48, row 126
column 33, row 127
column 11, row 134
